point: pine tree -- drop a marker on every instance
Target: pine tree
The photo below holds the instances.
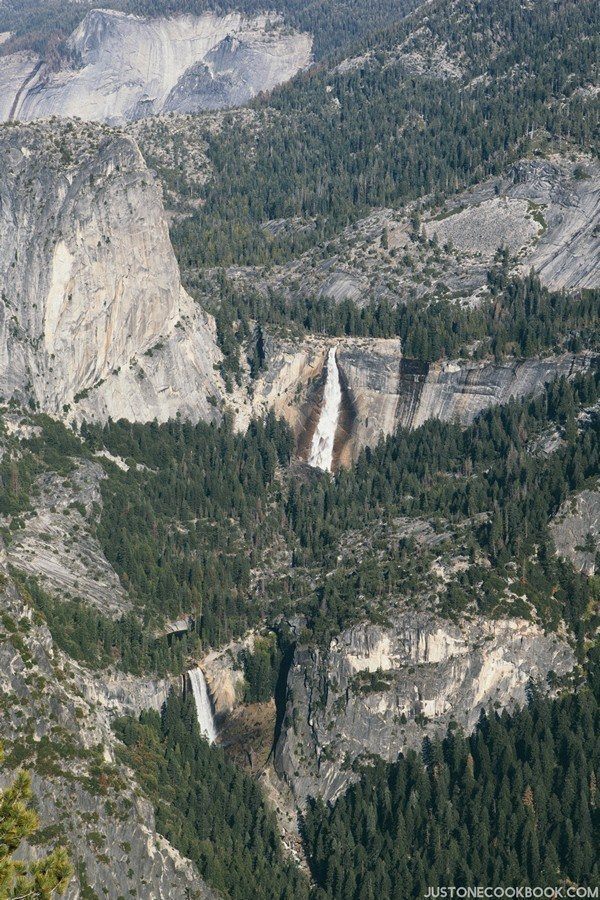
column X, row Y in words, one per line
column 37, row 880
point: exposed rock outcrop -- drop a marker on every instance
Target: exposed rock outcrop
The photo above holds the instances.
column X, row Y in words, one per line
column 459, row 392
column 58, row 546
column 93, row 319
column 379, row 690
column 576, row 530
column 224, row 674
column 129, row 67
column 56, row 722
column 382, row 390
column 545, row 211
column 568, row 252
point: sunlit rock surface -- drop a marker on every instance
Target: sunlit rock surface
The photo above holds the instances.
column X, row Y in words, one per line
column 93, row 319
column 382, row 389
column 61, row 731
column 576, row 530
column 131, row 67
column 58, row 545
column 379, row 690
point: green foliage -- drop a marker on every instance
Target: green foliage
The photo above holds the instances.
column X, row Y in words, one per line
column 261, row 669
column 442, row 470
column 200, row 507
column 210, row 810
column 50, row 448
column 514, row 803
column 17, row 474
column 179, row 524
column 44, row 25
column 333, row 144
column 39, row 880
column 522, row 319
column 97, row 641
column 185, row 525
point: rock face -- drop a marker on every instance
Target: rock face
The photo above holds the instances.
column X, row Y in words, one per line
column 58, row 547
column 379, row 690
column 92, row 314
column 545, row 211
column 548, row 213
column 224, row 674
column 576, row 531
column 459, row 392
column 56, row 723
column 382, row 390
column 129, row 67
column 568, row 252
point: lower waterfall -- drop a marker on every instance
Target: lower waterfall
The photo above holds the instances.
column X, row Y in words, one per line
column 321, row 448
column 204, row 712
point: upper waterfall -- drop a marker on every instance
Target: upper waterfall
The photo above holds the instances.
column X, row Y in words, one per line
column 203, row 708
column 321, row 449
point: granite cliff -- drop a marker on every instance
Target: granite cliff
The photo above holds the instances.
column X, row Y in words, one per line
column 576, row 531
column 545, row 211
column 56, row 722
column 124, row 67
column 377, row 690
column 382, row 390
column 93, row 319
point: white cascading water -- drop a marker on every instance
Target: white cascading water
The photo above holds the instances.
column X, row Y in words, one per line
column 203, row 708
column 321, row 449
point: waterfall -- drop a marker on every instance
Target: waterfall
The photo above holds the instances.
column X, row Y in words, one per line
column 321, row 449
column 203, row 708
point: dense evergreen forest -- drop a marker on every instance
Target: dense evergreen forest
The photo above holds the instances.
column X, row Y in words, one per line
column 439, row 470
column 515, row 803
column 522, row 319
column 209, row 809
column 201, row 507
column 334, row 143
column 231, row 531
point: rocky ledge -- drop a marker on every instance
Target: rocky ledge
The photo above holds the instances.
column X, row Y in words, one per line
column 379, row 690
column 383, row 390
column 56, row 723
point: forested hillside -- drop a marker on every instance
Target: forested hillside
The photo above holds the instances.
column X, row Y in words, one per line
column 326, row 628
column 521, row 319
column 334, row 143
column 514, row 803
column 44, row 25
column 211, row 811
column 201, row 508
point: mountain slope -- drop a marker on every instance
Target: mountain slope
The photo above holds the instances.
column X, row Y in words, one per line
column 44, row 26
column 123, row 67
column 93, row 319
column 336, row 143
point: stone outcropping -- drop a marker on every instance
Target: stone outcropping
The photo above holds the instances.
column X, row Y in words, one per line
column 455, row 392
column 380, row 690
column 576, row 530
column 546, row 212
column 56, row 723
column 57, row 545
column 128, row 67
column 382, row 390
column 568, row 252
column 224, row 674
column 93, row 319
